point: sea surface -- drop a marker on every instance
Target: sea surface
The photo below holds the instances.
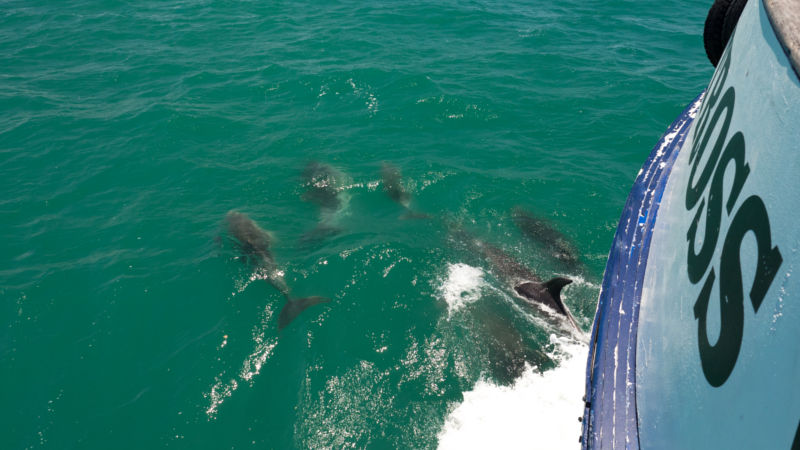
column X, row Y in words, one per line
column 130, row 319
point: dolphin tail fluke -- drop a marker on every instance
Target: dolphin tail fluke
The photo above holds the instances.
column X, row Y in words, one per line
column 554, row 287
column 293, row 307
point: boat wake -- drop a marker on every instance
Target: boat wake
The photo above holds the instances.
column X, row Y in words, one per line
column 540, row 410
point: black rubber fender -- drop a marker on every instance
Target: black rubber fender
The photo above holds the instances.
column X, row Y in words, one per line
column 720, row 23
column 732, row 18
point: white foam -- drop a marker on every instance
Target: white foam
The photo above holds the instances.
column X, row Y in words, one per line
column 538, row 411
column 223, row 387
column 462, row 286
column 578, row 280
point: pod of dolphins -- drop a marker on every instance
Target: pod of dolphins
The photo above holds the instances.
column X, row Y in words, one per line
column 323, row 189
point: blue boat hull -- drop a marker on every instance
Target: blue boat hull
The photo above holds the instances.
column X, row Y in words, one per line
column 696, row 342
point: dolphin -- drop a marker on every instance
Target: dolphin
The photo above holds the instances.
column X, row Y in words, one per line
column 322, row 188
column 506, row 348
column 524, row 284
column 254, row 244
column 543, row 232
column 392, row 181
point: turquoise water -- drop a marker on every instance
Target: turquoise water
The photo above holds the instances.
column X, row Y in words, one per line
column 129, row 129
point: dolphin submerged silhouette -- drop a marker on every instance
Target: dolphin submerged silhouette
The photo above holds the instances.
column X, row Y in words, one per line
column 547, row 235
column 254, row 243
column 392, row 180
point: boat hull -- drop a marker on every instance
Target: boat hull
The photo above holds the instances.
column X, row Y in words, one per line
column 696, row 342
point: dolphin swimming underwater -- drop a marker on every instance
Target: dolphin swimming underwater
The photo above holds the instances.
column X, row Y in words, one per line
column 543, row 232
column 506, row 349
column 323, row 188
column 254, row 243
column 392, row 184
column 524, row 283
column 392, row 181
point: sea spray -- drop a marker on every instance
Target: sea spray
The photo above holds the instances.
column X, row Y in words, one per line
column 462, row 286
column 540, row 410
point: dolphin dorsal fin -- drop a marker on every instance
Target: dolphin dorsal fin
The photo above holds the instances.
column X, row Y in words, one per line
column 293, row 307
column 555, row 285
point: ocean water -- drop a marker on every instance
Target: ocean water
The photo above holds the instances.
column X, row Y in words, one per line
column 129, row 129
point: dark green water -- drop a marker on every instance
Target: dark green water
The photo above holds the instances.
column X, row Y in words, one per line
column 129, row 129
